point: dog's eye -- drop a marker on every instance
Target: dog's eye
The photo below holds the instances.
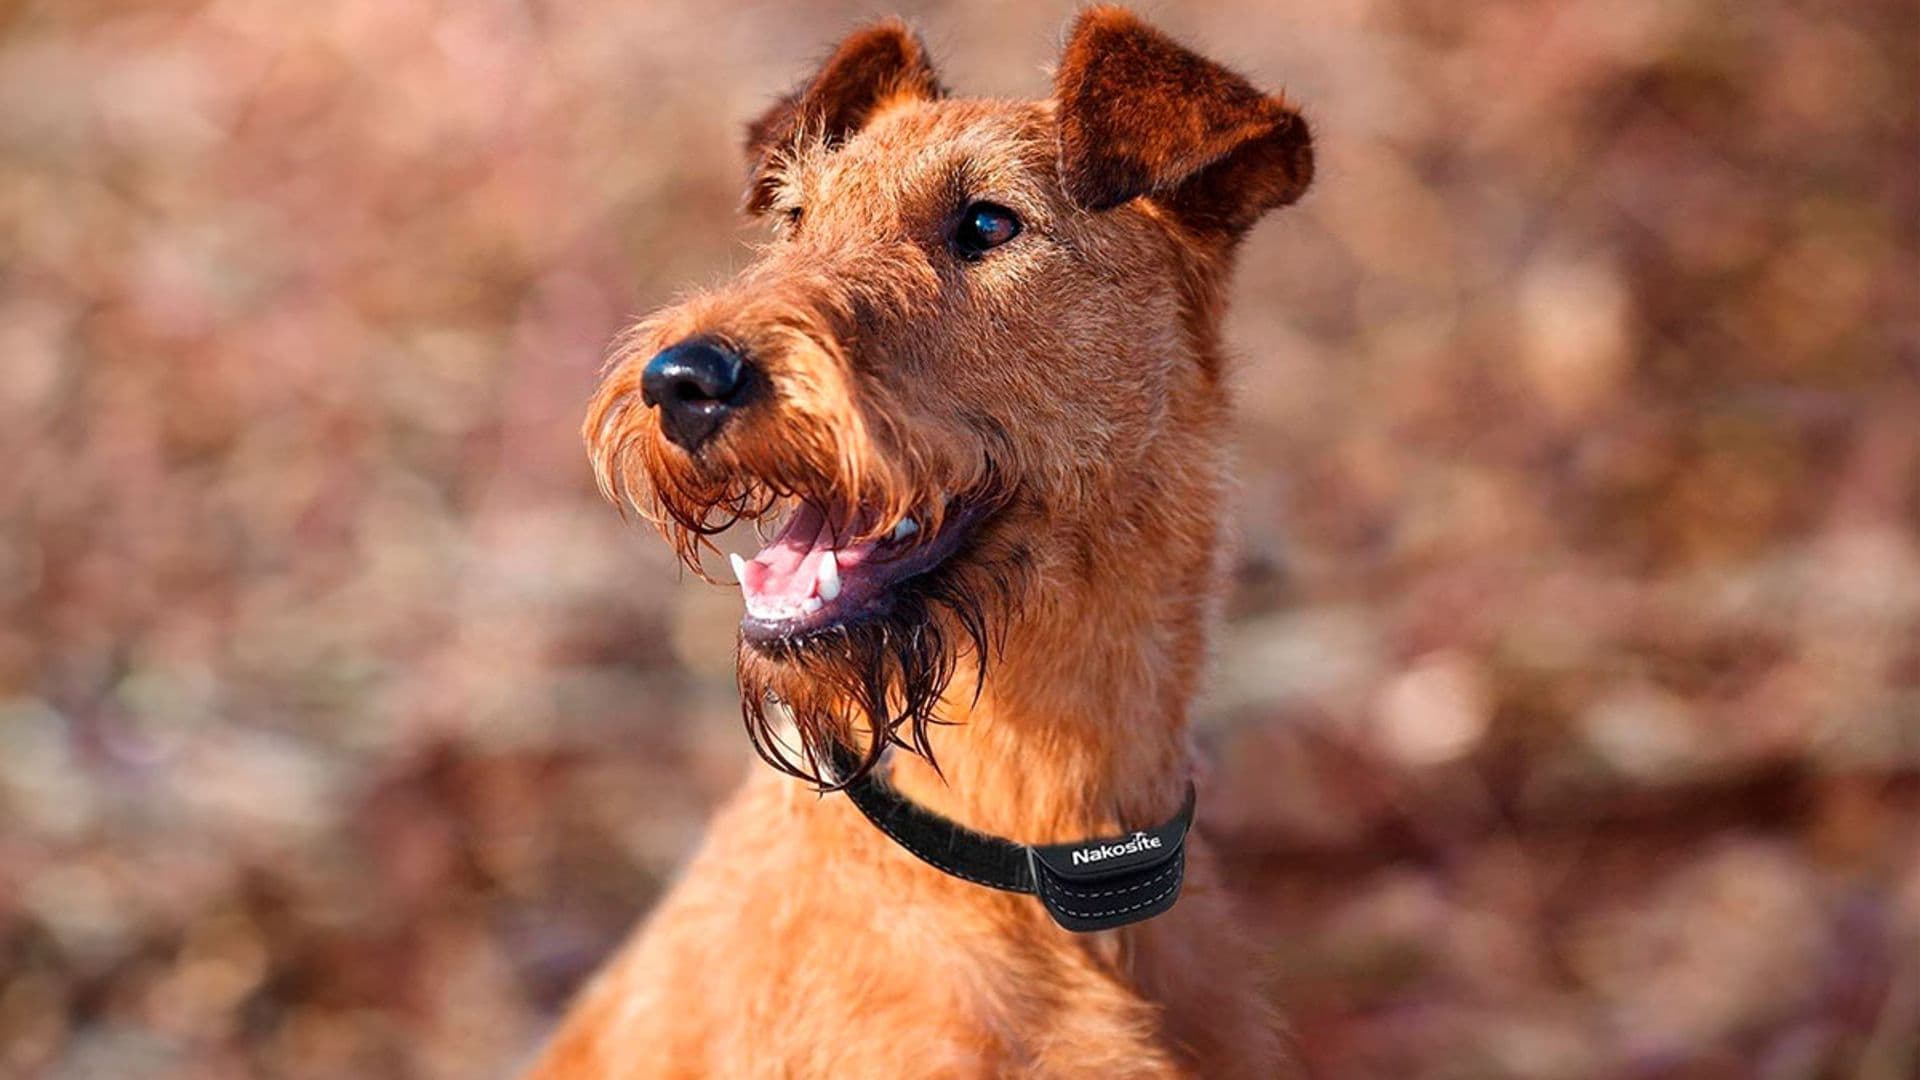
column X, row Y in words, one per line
column 983, row 225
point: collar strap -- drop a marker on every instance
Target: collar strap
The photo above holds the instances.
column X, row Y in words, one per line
column 1086, row 886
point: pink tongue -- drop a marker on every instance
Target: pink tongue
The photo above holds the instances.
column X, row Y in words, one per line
column 786, row 569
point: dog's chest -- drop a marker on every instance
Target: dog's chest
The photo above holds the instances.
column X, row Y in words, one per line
column 800, row 938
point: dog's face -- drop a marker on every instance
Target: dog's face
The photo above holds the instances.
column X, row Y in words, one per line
column 948, row 364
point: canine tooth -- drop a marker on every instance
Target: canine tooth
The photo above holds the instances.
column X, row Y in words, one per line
column 811, row 605
column 829, row 583
column 906, row 528
column 739, row 568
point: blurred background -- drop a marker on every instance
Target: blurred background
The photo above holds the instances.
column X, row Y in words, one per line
column 1567, row 721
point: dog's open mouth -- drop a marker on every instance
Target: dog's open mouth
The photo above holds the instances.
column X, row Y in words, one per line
column 813, row 576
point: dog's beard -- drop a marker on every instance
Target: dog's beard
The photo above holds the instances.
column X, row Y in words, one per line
column 855, row 689
column 877, row 682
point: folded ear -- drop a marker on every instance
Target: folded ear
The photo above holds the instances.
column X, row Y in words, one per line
column 1141, row 116
column 876, row 65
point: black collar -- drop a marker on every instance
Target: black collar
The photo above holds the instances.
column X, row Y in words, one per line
column 1091, row 885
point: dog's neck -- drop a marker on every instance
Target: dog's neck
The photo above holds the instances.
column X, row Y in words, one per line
column 1081, row 728
column 1066, row 760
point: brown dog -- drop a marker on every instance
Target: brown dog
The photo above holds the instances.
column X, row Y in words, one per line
column 980, row 368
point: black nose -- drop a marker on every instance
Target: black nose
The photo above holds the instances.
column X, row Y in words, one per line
column 695, row 385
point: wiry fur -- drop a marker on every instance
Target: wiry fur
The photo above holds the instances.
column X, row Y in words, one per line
column 1062, row 398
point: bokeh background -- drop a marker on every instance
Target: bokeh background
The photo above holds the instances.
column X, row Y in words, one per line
column 1567, row 722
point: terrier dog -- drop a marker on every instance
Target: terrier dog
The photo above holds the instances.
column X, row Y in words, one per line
column 979, row 371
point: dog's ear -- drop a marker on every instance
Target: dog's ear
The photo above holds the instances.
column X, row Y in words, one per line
column 874, row 66
column 1141, row 116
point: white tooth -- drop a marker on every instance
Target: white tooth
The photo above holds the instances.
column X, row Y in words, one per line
column 739, row 568
column 905, row 529
column 811, row 605
column 829, row 583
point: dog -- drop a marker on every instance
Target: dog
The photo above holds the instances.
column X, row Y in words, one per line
column 979, row 370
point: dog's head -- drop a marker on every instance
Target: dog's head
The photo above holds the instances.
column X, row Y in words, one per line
column 978, row 337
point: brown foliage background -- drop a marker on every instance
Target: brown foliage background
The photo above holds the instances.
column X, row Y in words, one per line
column 1568, row 721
